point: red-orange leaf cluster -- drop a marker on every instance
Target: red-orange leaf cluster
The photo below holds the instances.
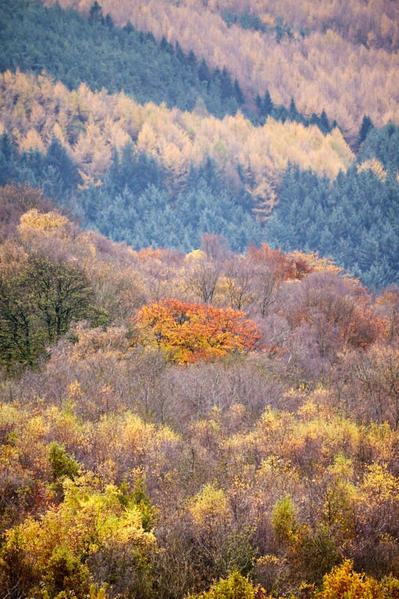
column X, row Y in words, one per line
column 295, row 265
column 189, row 332
column 282, row 267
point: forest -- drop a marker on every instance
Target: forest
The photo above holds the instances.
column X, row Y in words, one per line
column 208, row 424
column 170, row 148
column 199, row 299
column 355, row 52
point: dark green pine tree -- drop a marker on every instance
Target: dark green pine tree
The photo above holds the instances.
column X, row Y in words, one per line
column 267, row 106
column 96, row 14
column 365, row 127
column 58, row 159
column 203, row 72
column 324, row 124
column 179, row 53
column 109, row 21
column 191, row 59
column 239, row 96
column 8, row 159
column 293, row 112
column 166, row 46
column 226, row 86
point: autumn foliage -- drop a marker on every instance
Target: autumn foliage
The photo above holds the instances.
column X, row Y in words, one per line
column 188, row 332
column 325, row 65
column 125, row 475
column 197, row 423
column 175, row 138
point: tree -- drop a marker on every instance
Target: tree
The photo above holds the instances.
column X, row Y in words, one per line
column 20, row 339
column 8, row 158
column 61, row 293
column 96, row 14
column 324, row 123
column 270, row 268
column 238, row 93
column 58, row 159
column 268, row 105
column 202, row 275
column 189, row 332
column 344, row 582
column 38, row 302
column 365, row 127
column 234, row 586
column 239, row 280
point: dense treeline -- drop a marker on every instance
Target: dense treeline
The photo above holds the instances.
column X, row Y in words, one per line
column 373, row 24
column 134, row 204
column 143, row 456
column 162, row 189
column 321, row 70
column 355, row 220
column 168, row 176
column 34, row 38
column 91, row 124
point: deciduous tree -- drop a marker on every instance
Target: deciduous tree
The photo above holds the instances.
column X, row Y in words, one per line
column 188, row 332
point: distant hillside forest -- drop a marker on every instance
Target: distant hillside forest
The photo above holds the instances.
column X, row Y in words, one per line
column 208, row 425
column 334, row 55
column 149, row 139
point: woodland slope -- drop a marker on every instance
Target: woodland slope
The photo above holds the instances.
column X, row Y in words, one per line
column 169, row 148
column 214, row 424
column 199, row 301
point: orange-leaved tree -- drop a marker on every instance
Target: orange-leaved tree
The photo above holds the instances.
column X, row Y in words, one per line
column 187, row 332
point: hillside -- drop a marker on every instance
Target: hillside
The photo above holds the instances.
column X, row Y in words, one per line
column 347, row 65
column 170, row 147
column 199, row 299
column 163, row 432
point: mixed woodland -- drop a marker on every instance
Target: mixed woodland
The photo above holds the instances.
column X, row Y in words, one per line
column 148, row 140
column 199, row 299
column 174, row 424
